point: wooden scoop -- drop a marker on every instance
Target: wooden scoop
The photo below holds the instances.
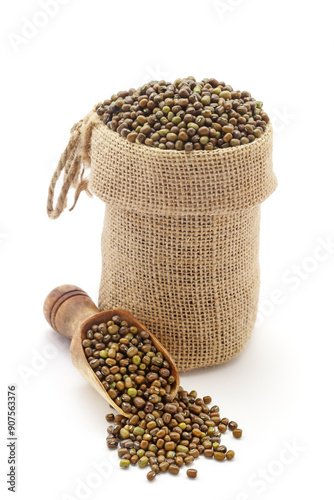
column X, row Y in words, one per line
column 71, row 312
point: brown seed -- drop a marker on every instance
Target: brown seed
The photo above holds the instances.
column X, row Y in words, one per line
column 170, row 408
column 203, row 131
column 237, row 433
column 131, row 138
column 122, row 451
column 171, row 137
column 230, row 455
column 174, row 469
column 196, row 432
column 192, row 473
column 164, row 466
column 175, row 436
column 207, row 444
column 219, row 456
column 207, row 400
column 194, row 453
column 139, row 402
column 222, row 428
column 184, row 92
column 170, row 446
column 151, row 475
column 112, row 393
column 112, row 443
column 154, row 466
column 183, row 136
column 208, row 453
column 232, row 425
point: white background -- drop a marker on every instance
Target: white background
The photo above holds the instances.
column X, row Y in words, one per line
column 280, row 388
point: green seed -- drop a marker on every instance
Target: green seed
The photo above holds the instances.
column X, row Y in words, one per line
column 124, row 433
column 138, row 431
column 104, row 354
column 197, row 89
column 136, row 360
column 140, row 453
column 132, row 392
column 166, row 109
column 225, row 94
column 206, row 100
column 192, row 125
column 124, row 464
column 143, row 462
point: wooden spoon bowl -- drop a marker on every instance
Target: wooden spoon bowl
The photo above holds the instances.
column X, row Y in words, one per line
column 71, row 312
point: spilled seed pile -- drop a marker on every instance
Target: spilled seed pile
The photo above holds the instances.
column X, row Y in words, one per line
column 185, row 115
column 161, row 432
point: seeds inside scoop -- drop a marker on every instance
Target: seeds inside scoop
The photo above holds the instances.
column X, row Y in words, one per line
column 133, row 372
column 162, row 433
column 185, row 115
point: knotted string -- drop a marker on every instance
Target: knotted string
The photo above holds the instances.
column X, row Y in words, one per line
column 73, row 162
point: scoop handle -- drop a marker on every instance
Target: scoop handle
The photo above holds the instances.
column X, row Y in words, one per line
column 67, row 307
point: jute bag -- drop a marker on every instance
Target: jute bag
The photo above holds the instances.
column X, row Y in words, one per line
column 180, row 244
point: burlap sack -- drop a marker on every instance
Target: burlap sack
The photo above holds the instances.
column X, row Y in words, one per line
column 180, row 244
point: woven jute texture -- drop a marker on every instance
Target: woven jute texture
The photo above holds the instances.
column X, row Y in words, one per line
column 180, row 243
